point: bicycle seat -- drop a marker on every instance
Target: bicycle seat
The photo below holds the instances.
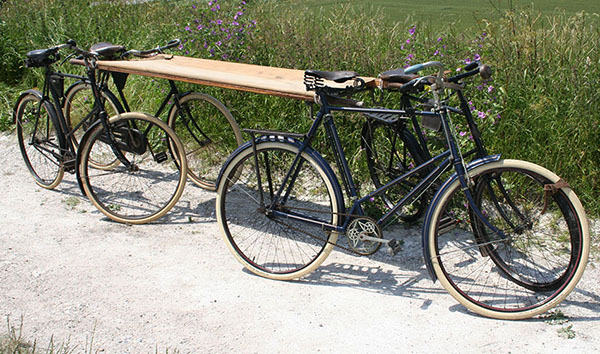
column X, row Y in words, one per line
column 335, row 76
column 397, row 75
column 41, row 57
column 106, row 50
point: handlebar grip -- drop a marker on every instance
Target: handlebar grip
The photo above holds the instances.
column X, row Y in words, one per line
column 471, row 66
column 173, row 43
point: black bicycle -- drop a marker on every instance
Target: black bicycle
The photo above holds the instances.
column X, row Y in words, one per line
column 281, row 209
column 131, row 166
column 206, row 128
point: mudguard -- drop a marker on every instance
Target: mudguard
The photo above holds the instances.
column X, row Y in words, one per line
column 427, row 222
column 84, row 139
column 289, row 140
column 35, row 93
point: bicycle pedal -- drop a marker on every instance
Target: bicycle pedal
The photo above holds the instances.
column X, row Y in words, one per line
column 447, row 223
column 69, row 165
column 393, row 247
column 161, row 157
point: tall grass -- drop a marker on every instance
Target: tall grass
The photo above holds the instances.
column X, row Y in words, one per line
column 542, row 105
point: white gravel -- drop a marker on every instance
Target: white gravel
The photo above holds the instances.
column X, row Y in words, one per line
column 73, row 275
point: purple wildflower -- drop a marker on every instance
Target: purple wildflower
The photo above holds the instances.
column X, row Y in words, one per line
column 412, row 31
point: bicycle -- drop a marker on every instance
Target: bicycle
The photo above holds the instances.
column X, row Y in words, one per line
column 391, row 148
column 131, row 166
column 204, row 125
column 281, row 209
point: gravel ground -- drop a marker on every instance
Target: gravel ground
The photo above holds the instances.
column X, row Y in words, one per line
column 78, row 278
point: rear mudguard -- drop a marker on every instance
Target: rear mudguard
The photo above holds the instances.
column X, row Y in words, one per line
column 427, row 224
column 289, row 140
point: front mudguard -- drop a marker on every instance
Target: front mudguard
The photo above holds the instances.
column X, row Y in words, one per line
column 428, row 223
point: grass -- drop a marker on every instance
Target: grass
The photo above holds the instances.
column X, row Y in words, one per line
column 545, row 63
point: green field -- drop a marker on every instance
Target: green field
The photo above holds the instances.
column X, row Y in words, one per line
column 463, row 13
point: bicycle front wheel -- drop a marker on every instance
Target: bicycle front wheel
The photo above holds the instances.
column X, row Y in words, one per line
column 208, row 132
column 537, row 262
column 268, row 244
column 152, row 183
column 39, row 139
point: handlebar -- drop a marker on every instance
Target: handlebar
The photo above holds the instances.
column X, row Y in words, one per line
column 418, row 67
column 157, row 50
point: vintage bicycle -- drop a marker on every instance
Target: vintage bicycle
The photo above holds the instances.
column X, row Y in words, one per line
column 205, row 126
column 281, row 209
column 131, row 166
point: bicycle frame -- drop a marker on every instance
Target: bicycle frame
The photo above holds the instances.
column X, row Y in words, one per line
column 449, row 157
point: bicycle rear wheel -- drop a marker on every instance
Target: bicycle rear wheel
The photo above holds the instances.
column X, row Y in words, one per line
column 39, row 139
column 152, row 185
column 209, row 134
column 535, row 266
column 391, row 152
column 269, row 245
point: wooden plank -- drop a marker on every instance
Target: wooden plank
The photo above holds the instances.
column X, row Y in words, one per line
column 245, row 77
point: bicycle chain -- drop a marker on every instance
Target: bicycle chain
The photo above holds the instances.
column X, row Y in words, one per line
column 318, row 237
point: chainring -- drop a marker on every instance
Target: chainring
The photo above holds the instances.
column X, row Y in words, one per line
column 359, row 228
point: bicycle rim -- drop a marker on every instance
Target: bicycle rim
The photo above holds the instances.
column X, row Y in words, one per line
column 539, row 261
column 277, row 248
column 154, row 183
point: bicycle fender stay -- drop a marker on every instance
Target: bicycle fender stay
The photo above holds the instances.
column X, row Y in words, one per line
column 427, row 222
column 84, row 139
column 288, row 140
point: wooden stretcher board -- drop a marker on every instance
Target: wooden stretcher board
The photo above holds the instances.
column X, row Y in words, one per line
column 245, row 77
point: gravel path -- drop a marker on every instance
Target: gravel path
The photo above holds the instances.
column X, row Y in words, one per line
column 73, row 275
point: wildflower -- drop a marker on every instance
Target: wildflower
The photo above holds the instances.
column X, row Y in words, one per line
column 218, row 44
column 439, row 39
column 187, row 28
column 408, row 41
column 490, row 88
column 481, row 115
column 412, row 30
column 436, row 52
column 462, row 133
column 477, row 57
column 468, row 61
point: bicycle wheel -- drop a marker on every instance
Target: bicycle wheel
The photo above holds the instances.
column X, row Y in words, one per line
column 209, row 133
column 78, row 110
column 39, row 139
column 530, row 270
column 268, row 245
column 391, row 152
column 152, row 185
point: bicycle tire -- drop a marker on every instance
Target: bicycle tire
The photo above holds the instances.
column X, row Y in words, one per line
column 153, row 185
column 265, row 245
column 390, row 152
column 209, row 134
column 79, row 104
column 530, row 271
column 39, row 139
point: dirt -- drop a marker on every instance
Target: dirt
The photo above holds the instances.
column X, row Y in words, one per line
column 79, row 279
